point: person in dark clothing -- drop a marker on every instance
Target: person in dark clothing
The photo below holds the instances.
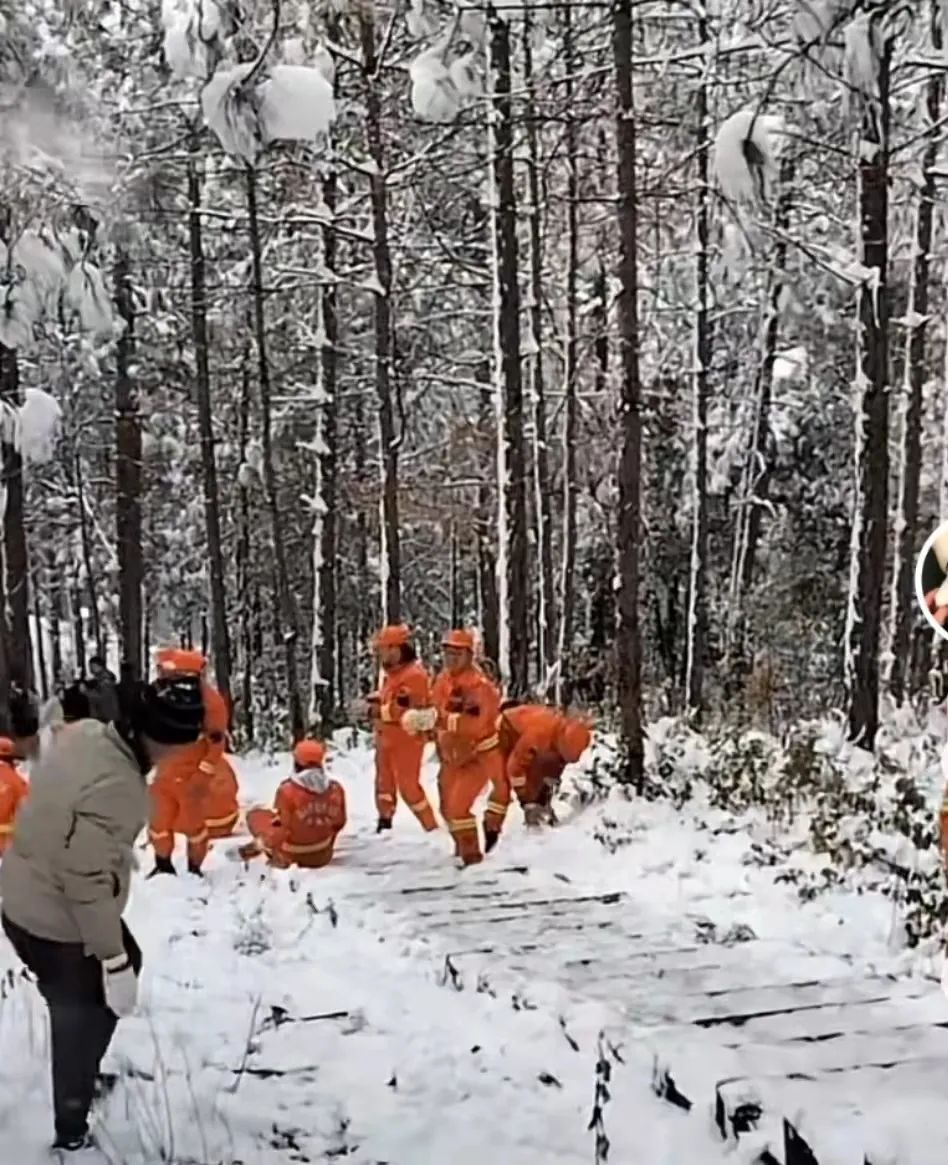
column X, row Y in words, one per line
column 103, row 692
column 64, row 882
column 75, row 704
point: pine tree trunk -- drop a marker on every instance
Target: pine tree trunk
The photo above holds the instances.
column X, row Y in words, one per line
column 243, row 553
column 628, row 643
column 128, row 471
column 542, row 492
column 55, row 613
column 220, row 637
column 85, row 544
column 14, row 531
column 285, row 616
column 456, row 595
column 485, row 526
column 571, row 365
column 906, row 527
column 363, row 627
column 39, row 640
column 511, row 462
column 867, row 569
column 388, row 442
column 326, row 697
column 757, row 473
column 697, row 638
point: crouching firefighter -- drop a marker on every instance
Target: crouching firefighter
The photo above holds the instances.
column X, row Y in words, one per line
column 308, row 814
column 536, row 743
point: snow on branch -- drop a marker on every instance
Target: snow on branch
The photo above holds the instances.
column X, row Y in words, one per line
column 196, row 35
column 746, row 149
column 439, row 89
column 289, row 103
column 36, row 273
column 39, row 418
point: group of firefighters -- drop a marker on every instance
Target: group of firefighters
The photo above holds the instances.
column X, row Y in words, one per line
column 483, row 744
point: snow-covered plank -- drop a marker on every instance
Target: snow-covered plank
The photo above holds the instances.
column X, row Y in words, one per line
column 742, row 1004
column 853, row 1016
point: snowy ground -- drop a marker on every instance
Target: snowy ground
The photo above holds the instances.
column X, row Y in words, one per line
column 392, row 1011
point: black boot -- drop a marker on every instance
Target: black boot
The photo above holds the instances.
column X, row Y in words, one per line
column 491, row 838
column 163, row 866
column 384, row 823
column 67, row 1144
column 195, row 869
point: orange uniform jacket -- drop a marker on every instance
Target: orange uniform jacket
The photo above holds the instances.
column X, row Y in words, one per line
column 13, row 788
column 468, row 704
column 305, row 823
column 528, row 741
column 404, row 687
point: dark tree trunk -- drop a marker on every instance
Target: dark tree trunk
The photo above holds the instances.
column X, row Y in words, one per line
column 245, row 590
column 542, row 491
column 220, row 638
column 906, row 530
column 388, row 442
column 512, row 488
column 328, row 696
column 128, row 470
column 285, row 618
column 85, row 543
column 628, row 641
column 568, row 568
column 697, row 590
column 872, row 444
column 42, row 672
column 14, row 532
column 485, row 525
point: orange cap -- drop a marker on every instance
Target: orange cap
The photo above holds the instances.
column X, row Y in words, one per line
column 7, row 751
column 179, row 661
column 395, row 636
column 309, row 754
column 460, row 639
column 572, row 739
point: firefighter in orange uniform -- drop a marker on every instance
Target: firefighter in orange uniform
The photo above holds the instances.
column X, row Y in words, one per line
column 182, row 785
column 398, row 753
column 464, row 718
column 536, row 742
column 309, row 813
column 13, row 789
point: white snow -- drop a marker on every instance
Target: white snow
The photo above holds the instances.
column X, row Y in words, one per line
column 39, row 420
column 331, row 1013
column 434, row 96
column 741, row 179
column 288, row 103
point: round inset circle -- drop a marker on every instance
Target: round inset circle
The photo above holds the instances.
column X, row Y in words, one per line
column 931, row 580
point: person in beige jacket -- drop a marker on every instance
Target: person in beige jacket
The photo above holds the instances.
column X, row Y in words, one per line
column 64, row 882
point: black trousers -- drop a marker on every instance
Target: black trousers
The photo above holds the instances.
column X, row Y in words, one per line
column 81, row 1025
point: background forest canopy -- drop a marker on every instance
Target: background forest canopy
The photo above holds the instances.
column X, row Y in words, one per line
column 313, row 319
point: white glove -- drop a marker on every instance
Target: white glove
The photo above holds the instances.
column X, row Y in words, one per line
column 418, row 720
column 120, row 984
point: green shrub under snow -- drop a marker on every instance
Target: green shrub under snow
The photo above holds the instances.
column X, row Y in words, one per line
column 824, row 813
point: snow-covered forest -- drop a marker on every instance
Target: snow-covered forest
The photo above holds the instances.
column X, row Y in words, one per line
column 613, row 330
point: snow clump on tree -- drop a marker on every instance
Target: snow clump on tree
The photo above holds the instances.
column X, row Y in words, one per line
column 38, row 422
column 41, row 271
column 745, row 155
column 196, row 34
column 250, row 110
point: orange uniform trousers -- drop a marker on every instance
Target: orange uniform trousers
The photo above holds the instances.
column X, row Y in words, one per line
column 178, row 798
column 459, row 786
column 313, row 856
column 398, row 774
